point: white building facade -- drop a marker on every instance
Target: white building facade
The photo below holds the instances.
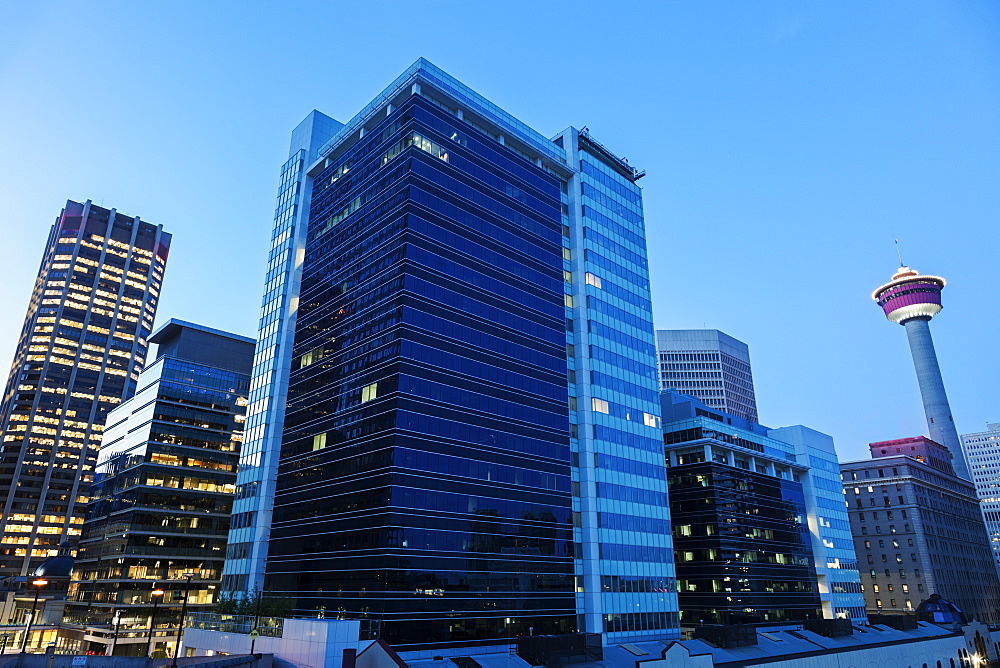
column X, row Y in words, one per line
column 710, row 365
column 982, row 452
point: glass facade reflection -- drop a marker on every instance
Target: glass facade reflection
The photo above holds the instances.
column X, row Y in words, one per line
column 258, row 466
column 163, row 492
column 743, row 550
column 470, row 391
column 625, row 572
column 761, row 533
column 424, row 475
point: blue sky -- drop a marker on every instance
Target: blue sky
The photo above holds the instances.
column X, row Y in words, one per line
column 786, row 145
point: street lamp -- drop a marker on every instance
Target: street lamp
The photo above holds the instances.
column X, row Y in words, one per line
column 38, row 584
column 180, row 629
column 114, row 639
column 157, row 594
column 256, row 622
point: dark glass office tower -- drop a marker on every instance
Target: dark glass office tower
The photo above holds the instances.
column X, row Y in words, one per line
column 424, row 473
column 453, row 411
column 162, row 494
column 741, row 546
column 760, row 528
column 80, row 353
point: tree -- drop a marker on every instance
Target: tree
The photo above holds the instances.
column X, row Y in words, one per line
column 252, row 603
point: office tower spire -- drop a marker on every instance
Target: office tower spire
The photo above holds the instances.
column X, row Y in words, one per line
column 911, row 300
column 80, row 353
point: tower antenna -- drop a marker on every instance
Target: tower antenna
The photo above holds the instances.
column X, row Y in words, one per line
column 898, row 254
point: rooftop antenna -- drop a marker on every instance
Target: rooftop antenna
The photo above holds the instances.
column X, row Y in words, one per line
column 898, row 254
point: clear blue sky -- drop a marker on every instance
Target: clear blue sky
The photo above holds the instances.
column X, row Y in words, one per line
column 786, row 144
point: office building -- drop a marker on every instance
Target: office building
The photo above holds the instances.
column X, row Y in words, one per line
column 710, row 365
column 162, row 495
column 918, row 531
column 982, row 453
column 39, row 604
column 80, row 352
column 911, row 300
column 457, row 317
column 761, row 534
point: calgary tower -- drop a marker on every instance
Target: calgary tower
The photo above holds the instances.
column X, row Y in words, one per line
column 912, row 300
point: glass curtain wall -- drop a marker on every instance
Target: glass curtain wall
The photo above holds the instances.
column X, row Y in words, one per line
column 424, row 477
column 743, row 548
column 625, row 573
column 162, row 500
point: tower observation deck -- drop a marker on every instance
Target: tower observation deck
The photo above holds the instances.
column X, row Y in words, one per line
column 911, row 300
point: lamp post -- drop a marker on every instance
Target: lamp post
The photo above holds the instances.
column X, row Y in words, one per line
column 256, row 622
column 114, row 638
column 180, row 628
column 38, row 584
column 157, row 594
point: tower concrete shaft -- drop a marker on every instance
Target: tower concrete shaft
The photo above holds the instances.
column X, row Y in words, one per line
column 940, row 424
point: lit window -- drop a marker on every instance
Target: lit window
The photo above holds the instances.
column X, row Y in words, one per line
column 369, row 392
column 313, row 355
column 599, row 405
column 319, row 441
column 568, row 301
column 593, row 279
column 650, row 420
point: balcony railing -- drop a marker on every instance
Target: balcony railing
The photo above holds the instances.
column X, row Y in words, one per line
column 244, row 624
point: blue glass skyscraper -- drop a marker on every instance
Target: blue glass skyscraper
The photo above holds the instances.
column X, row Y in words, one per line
column 624, row 561
column 454, row 424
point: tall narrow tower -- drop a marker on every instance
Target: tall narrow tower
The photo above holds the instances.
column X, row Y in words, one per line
column 81, row 349
column 912, row 300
